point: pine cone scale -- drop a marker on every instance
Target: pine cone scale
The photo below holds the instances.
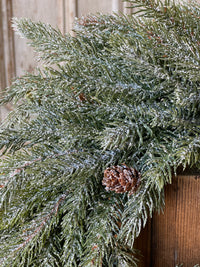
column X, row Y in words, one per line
column 121, row 179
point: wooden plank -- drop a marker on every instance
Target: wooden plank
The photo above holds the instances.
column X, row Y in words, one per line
column 61, row 16
column 126, row 8
column 115, row 5
column 71, row 10
column 8, row 41
column 176, row 233
column 164, row 230
column 188, row 221
column 55, row 12
column 143, row 244
column 2, row 58
column 7, row 66
column 48, row 11
column 93, row 6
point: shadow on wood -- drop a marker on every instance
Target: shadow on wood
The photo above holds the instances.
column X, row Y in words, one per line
column 173, row 238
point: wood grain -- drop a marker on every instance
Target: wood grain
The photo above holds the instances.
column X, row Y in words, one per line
column 16, row 57
column 2, row 58
column 126, row 8
column 176, row 233
column 115, row 5
column 91, row 6
column 71, row 11
column 8, row 41
column 7, row 61
column 48, row 11
column 143, row 244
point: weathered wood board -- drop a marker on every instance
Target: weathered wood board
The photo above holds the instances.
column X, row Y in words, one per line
column 176, row 233
column 15, row 56
column 2, row 55
column 173, row 238
column 48, row 11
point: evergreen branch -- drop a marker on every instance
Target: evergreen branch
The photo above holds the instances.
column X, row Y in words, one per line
column 47, row 40
column 125, row 90
column 36, row 232
column 54, row 212
column 28, row 164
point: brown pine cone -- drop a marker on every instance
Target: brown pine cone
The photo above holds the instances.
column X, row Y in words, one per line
column 121, row 179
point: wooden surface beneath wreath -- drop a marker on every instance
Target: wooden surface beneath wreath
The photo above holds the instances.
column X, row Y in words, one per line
column 173, row 238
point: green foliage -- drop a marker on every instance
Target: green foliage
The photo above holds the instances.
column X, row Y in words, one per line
column 124, row 90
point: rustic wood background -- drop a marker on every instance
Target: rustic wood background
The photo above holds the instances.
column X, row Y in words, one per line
column 15, row 56
column 168, row 239
column 172, row 238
